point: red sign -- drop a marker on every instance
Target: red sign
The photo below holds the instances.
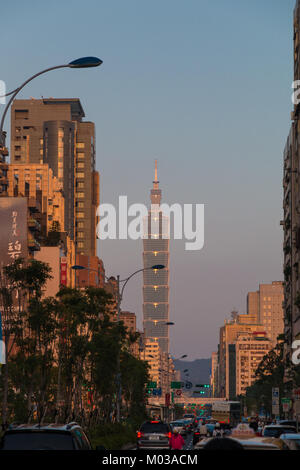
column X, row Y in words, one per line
column 168, row 399
column 178, row 393
column 63, row 271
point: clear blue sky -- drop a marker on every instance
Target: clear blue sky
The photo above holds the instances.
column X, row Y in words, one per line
column 202, row 85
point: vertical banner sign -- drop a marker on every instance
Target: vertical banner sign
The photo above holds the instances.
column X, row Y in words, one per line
column 2, row 344
column 168, row 399
column 63, row 271
column 13, row 241
column 275, row 401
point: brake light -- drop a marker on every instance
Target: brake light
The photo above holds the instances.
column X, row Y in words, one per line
column 154, row 422
column 169, row 435
column 140, row 434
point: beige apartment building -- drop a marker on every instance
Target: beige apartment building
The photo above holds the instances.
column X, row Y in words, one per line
column 30, row 180
column 265, row 306
column 229, row 333
column 151, row 354
column 52, row 131
column 250, row 348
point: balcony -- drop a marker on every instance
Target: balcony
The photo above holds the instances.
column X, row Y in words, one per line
column 33, row 244
column 34, row 225
column 34, row 205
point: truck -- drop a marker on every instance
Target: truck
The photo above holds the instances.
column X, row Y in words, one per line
column 227, row 412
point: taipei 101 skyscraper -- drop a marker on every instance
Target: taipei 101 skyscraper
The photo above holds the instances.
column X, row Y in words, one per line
column 156, row 282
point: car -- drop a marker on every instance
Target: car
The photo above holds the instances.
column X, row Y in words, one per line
column 154, row 435
column 210, row 425
column 45, row 437
column 287, row 422
column 179, row 425
column 247, row 444
column 291, row 441
column 189, row 424
column 275, row 430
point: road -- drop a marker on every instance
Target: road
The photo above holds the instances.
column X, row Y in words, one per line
column 188, row 442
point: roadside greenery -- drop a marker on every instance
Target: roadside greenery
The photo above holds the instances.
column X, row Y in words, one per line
column 62, row 354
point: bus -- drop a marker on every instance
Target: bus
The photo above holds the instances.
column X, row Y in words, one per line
column 227, row 412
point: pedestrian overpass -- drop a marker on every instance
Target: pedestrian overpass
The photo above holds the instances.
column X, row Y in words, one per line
column 184, row 400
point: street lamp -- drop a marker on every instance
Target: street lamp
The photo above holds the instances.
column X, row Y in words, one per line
column 83, row 62
column 78, row 267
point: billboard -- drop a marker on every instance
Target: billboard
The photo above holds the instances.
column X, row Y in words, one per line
column 13, row 240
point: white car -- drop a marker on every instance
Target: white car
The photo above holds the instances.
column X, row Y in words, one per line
column 292, row 441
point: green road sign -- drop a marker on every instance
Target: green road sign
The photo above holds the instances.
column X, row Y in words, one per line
column 176, row 385
column 152, row 385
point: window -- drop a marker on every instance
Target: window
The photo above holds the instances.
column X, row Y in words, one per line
column 79, row 195
column 80, row 205
column 79, row 175
column 80, row 244
column 80, row 165
column 80, row 184
column 80, row 215
column 80, row 155
column 80, row 145
column 21, row 114
column 80, row 234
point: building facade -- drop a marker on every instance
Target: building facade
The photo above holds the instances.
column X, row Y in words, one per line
column 229, row 333
column 249, row 349
column 265, row 306
column 52, row 131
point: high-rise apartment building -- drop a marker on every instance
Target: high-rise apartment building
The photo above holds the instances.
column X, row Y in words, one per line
column 229, row 333
column 265, row 306
column 291, row 217
column 156, row 282
column 249, row 349
column 51, row 131
column 33, row 179
column 151, row 355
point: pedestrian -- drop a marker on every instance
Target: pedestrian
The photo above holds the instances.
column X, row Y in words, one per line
column 176, row 441
column 203, row 430
column 218, row 432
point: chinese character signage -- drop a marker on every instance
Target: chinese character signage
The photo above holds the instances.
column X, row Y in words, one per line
column 13, row 241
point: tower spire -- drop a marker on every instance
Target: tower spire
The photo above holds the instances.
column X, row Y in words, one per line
column 155, row 192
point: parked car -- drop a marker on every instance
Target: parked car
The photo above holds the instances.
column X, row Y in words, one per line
column 154, row 435
column 45, row 437
column 275, row 430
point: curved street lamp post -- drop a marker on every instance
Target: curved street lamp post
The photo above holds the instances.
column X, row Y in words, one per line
column 83, row 62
